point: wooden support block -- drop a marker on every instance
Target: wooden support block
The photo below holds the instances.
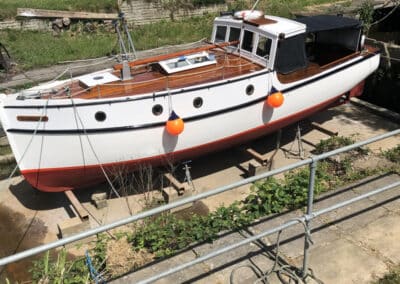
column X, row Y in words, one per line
column 256, row 169
column 171, row 194
column 72, row 227
column 99, row 199
column 180, row 187
column 324, row 129
column 82, row 213
column 262, row 159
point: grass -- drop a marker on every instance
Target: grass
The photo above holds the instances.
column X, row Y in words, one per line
column 39, row 49
column 393, row 277
column 6, row 169
column 4, row 150
column 393, row 154
column 286, row 8
column 9, row 7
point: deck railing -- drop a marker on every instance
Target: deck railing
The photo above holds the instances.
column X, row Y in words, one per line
column 305, row 219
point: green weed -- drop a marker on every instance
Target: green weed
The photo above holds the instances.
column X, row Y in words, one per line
column 38, row 49
column 393, row 155
column 60, row 270
column 393, row 277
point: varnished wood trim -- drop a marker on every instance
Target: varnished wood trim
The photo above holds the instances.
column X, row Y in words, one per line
column 260, row 21
column 29, row 118
column 130, row 99
column 175, row 54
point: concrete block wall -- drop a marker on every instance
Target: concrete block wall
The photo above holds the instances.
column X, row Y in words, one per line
column 137, row 12
column 26, row 24
column 140, row 12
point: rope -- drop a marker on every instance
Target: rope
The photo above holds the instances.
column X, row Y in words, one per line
column 98, row 279
column 94, row 152
column 83, row 60
column 30, row 141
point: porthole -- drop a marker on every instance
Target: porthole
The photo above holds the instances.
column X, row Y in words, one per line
column 197, row 102
column 157, row 109
column 249, row 90
column 100, row 116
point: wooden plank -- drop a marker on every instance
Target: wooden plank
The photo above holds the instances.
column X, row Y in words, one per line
column 83, row 214
column 308, row 142
column 324, row 129
column 41, row 13
column 262, row 159
column 180, row 188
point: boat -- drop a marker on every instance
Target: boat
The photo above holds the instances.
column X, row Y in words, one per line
column 259, row 73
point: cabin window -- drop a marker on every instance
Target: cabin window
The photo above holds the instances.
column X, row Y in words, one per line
column 220, row 34
column 264, row 47
column 234, row 35
column 291, row 54
column 247, row 43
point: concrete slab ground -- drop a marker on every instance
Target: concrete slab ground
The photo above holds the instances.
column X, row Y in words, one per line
column 29, row 218
column 338, row 255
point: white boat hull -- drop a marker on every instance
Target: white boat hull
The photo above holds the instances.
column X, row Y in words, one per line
column 66, row 151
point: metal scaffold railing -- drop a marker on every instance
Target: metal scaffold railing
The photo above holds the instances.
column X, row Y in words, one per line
column 305, row 219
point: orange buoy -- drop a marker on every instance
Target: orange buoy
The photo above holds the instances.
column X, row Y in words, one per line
column 275, row 100
column 175, row 124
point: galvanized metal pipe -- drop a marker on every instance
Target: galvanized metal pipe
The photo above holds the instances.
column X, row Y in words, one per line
column 310, row 202
column 101, row 229
column 142, row 215
column 265, row 233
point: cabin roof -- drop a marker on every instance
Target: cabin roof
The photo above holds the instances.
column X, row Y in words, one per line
column 275, row 27
column 328, row 22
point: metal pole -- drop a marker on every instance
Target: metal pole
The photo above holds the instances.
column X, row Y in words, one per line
column 218, row 252
column 264, row 234
column 142, row 215
column 310, row 202
column 145, row 214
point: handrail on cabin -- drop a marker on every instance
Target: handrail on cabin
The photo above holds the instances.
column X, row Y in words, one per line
column 173, row 55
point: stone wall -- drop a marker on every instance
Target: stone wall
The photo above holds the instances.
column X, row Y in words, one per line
column 137, row 12
column 26, row 24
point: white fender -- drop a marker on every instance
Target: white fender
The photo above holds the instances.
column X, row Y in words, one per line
column 249, row 15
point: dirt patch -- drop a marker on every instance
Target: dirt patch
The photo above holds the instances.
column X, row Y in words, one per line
column 121, row 258
column 17, row 233
column 372, row 161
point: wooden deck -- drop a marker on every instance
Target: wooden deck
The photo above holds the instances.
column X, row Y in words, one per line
column 151, row 78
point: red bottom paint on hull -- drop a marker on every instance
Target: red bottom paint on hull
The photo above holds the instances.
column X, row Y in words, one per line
column 62, row 179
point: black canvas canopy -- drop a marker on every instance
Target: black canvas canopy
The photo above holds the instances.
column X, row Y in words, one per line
column 328, row 22
column 327, row 38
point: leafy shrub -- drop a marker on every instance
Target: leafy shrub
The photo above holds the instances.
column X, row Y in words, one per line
column 62, row 270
